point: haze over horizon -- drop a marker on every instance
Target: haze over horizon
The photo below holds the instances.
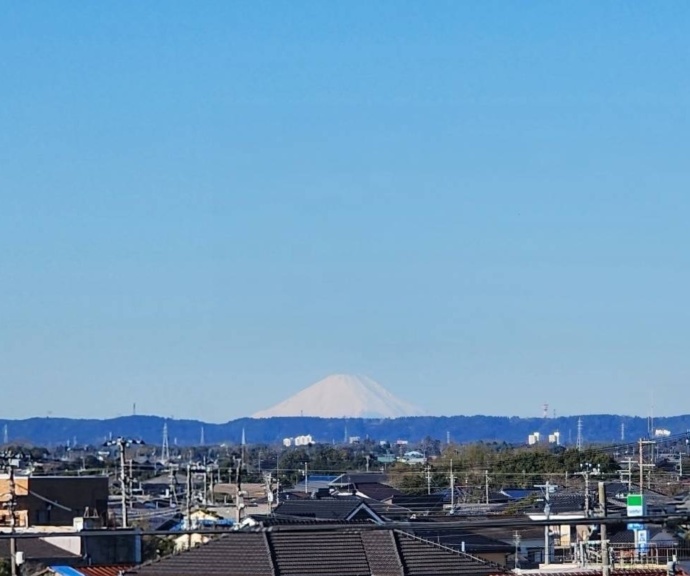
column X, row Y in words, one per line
column 206, row 209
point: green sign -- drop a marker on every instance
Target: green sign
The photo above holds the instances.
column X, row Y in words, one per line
column 636, row 505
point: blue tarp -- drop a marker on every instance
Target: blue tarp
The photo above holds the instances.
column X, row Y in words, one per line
column 66, row 571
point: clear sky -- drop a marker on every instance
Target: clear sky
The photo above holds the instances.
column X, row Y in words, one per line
column 207, row 206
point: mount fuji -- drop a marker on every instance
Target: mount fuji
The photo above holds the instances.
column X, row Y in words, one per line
column 343, row 396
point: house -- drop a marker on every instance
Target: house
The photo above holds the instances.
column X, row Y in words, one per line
column 413, row 457
column 423, row 504
column 199, row 520
column 561, row 508
column 662, row 545
column 474, row 543
column 112, row 570
column 657, row 504
column 349, row 479
column 54, row 500
column 169, row 485
column 375, row 491
column 529, row 543
column 315, row 482
column 36, row 552
column 320, row 552
column 329, row 508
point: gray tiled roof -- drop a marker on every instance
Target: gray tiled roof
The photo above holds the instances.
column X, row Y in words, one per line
column 347, row 552
column 313, row 553
column 382, row 552
column 237, row 553
column 424, row 559
column 337, row 508
column 376, row 490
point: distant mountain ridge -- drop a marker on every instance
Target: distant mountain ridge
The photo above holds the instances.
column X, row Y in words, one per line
column 596, row 428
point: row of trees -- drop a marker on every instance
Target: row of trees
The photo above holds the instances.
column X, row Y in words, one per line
column 496, row 466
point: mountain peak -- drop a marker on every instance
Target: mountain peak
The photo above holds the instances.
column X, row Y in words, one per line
column 343, row 396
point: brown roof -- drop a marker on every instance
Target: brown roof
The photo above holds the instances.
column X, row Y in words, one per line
column 104, row 570
column 320, row 552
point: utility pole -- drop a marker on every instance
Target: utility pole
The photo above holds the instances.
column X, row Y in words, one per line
column 189, row 506
column 205, row 485
column 586, row 471
column 605, row 567
column 130, row 483
column 123, row 483
column 428, row 479
column 547, row 514
column 306, row 478
column 642, row 443
column 486, row 486
column 172, row 484
column 452, row 488
column 239, row 500
column 628, row 473
column 516, row 541
column 13, row 519
column 122, row 445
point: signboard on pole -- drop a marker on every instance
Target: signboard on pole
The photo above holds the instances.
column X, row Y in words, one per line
column 636, row 505
column 641, row 541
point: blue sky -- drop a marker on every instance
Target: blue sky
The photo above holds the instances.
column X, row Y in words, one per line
column 208, row 206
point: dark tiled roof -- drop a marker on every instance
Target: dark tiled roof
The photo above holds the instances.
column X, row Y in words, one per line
column 337, row 508
column 388, row 511
column 420, row 504
column 35, row 549
column 382, row 552
column 319, row 553
column 350, row 478
column 473, row 543
column 657, row 537
column 269, row 520
column 348, row 552
column 560, row 503
column 422, row 558
column 236, row 553
column 376, row 490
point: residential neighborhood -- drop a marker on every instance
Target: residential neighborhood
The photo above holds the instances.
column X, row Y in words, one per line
column 256, row 509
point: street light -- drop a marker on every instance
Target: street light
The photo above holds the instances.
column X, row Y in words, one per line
column 122, row 445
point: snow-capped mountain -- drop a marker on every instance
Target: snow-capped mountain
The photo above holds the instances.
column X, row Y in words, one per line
column 343, row 395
